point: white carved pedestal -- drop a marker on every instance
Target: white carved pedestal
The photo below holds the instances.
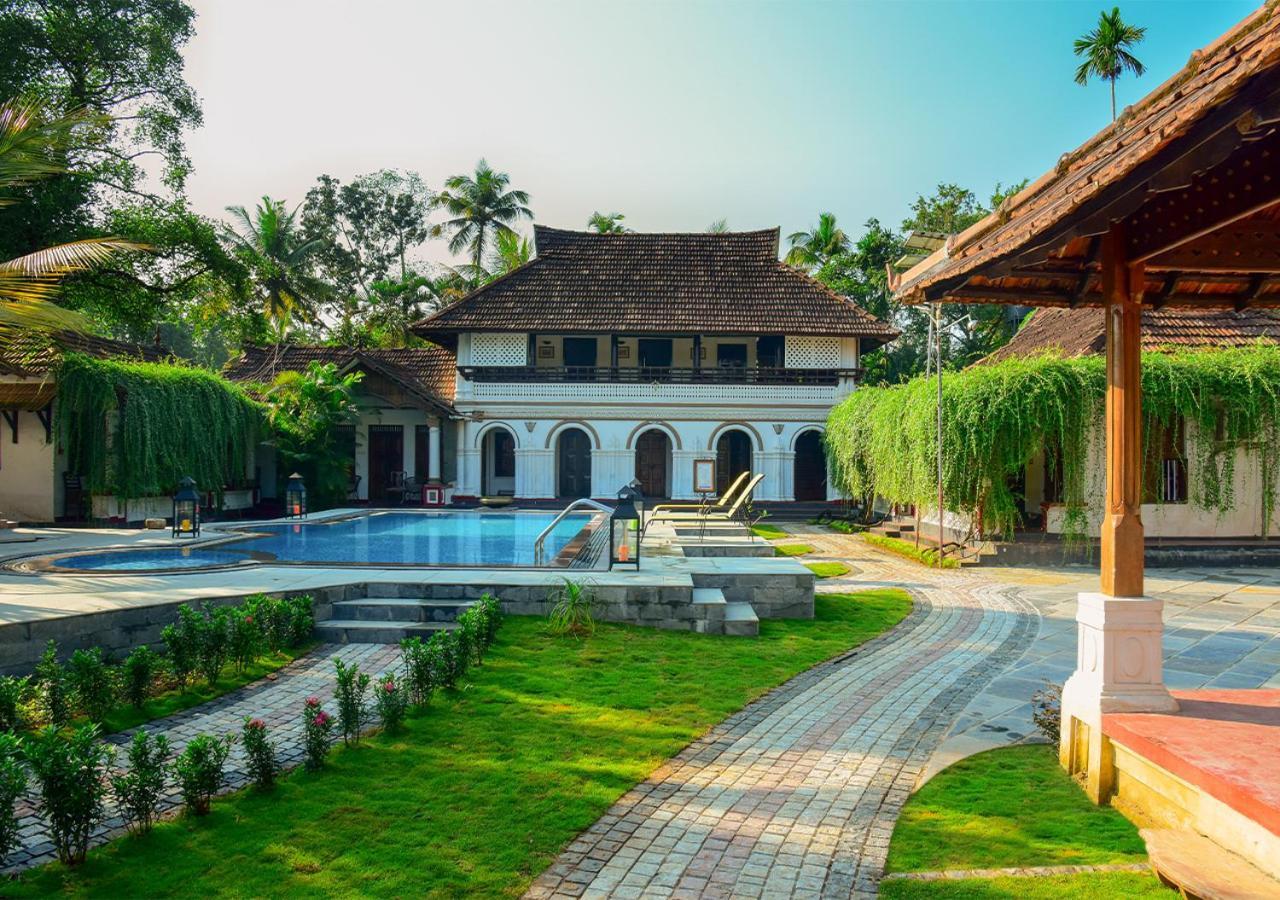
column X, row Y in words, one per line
column 1118, row 669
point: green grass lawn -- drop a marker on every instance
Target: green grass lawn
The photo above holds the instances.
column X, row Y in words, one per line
column 908, row 550
column 828, row 569
column 791, row 549
column 768, row 532
column 1008, row 808
column 480, row 791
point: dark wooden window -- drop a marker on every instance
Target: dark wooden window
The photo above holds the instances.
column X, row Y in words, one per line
column 580, row 351
column 771, row 351
column 421, row 451
column 504, row 454
column 731, row 356
column 1164, row 464
column 654, row 352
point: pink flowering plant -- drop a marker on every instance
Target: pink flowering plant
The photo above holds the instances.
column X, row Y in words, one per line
column 261, row 755
column 317, row 733
column 391, row 697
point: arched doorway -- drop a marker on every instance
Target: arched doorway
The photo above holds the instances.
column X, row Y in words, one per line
column 498, row 463
column 733, row 457
column 653, row 463
column 810, row 467
column 573, row 462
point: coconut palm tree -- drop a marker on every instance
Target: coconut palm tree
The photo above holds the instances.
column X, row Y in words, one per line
column 719, row 226
column 269, row 243
column 812, row 249
column 482, row 205
column 510, row 252
column 1106, row 52
column 610, row 223
column 31, row 149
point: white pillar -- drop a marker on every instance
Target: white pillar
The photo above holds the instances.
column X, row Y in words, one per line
column 434, row 451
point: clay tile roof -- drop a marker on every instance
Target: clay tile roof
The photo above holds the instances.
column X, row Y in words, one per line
column 31, row 395
column 1227, row 89
column 636, row 283
column 1081, row 332
column 427, row 372
column 33, row 354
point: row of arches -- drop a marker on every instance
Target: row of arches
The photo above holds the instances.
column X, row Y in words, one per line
column 653, row 461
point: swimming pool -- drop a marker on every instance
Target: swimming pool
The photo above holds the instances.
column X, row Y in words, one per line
column 449, row 538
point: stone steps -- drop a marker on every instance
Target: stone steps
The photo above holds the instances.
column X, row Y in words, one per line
column 350, row 631
column 389, row 620
column 740, row 619
column 1199, row 867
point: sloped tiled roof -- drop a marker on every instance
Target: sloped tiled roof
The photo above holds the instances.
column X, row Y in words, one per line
column 35, row 354
column 636, row 283
column 1081, row 332
column 427, row 371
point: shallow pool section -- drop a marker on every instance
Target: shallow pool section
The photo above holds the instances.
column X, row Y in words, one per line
column 449, row 538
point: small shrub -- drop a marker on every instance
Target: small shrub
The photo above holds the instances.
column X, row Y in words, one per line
column 317, row 732
column 138, row 791
column 419, row 673
column 392, row 700
column 447, row 659
column 214, row 642
column 302, row 621
column 573, row 606
column 262, row 762
column 93, row 683
column 199, row 771
column 13, row 781
column 54, row 687
column 492, row 607
column 244, row 637
column 468, row 636
column 349, row 694
column 272, row 616
column 182, row 640
column 1046, row 711
column 71, row 772
column 138, row 674
column 13, row 690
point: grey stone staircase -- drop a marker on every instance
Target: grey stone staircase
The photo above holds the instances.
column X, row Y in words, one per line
column 737, row 618
column 388, row 620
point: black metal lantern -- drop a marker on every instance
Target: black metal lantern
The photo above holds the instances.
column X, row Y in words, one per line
column 186, row 509
column 295, row 498
column 624, row 531
column 637, row 498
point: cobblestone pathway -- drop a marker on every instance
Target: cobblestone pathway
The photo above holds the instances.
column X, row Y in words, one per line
column 277, row 701
column 797, row 795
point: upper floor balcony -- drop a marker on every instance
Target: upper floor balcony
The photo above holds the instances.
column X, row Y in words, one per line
column 726, row 375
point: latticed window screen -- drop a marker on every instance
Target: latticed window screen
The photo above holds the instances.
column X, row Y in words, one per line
column 813, row 353
column 499, row 349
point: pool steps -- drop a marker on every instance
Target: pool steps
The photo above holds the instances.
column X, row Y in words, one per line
column 388, row 620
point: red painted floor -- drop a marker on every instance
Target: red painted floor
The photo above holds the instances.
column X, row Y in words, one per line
column 1225, row 742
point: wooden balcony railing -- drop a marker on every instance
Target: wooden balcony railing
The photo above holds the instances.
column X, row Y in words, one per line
column 656, row 374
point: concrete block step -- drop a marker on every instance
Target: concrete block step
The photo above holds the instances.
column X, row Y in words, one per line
column 740, row 619
column 1198, row 867
column 401, row 609
column 351, row 631
column 709, row 596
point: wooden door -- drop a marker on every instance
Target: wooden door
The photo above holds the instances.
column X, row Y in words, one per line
column 386, row 455
column 810, row 467
column 653, row 455
column 733, row 457
column 574, row 464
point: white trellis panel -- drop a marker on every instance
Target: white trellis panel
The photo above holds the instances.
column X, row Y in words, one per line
column 499, row 349
column 813, row 352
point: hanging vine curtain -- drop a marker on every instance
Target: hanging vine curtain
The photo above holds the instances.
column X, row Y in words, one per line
column 996, row 418
column 134, row 429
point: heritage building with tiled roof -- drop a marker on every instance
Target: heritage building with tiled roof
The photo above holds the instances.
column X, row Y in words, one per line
column 613, row 357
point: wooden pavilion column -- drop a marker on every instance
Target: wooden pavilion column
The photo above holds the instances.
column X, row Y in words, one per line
column 1122, row 537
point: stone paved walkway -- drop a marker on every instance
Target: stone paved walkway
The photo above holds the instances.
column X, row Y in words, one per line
column 797, row 795
column 278, row 701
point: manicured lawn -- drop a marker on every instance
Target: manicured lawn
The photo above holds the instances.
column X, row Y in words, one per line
column 481, row 790
column 909, row 550
column 1007, row 808
column 828, row 569
column 791, row 549
column 768, row 532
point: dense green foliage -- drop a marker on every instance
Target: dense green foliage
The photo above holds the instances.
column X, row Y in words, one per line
column 997, row 417
column 170, row 421
column 908, row 550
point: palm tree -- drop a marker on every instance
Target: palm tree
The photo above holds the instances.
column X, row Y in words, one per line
column 607, row 224
column 480, row 204
column 269, row 243
column 1106, row 52
column 812, row 249
column 510, row 252
column 31, row 149
column 719, row 226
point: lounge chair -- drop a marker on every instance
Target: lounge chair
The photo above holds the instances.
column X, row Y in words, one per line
column 720, row 504
column 713, row 515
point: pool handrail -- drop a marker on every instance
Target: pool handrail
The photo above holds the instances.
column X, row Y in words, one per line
column 541, row 538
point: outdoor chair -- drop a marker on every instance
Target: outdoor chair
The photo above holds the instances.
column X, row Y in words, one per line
column 712, row 515
column 720, row 504
column 353, row 488
column 73, row 497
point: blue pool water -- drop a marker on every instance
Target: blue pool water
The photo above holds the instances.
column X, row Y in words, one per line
column 422, row 539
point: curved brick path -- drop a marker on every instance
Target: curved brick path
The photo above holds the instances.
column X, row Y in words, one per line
column 797, row 795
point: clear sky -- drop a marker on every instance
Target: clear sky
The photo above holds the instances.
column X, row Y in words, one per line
column 675, row 114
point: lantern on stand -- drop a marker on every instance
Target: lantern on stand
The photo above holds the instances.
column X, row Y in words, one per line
column 295, row 498
column 186, row 509
column 637, row 498
column 624, row 531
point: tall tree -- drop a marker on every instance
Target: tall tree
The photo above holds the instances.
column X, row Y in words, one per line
column 607, row 223
column 812, row 249
column 482, row 205
column 1107, row 52
column 280, row 263
column 719, row 226
column 510, row 252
